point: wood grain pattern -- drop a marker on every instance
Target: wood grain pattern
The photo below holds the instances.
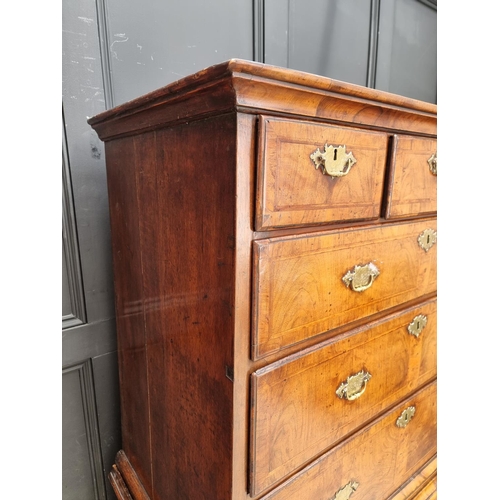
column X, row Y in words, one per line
column 296, row 414
column 291, row 192
column 428, row 492
column 187, row 245
column 379, row 457
column 413, row 188
column 125, row 214
column 180, row 272
column 417, row 482
column 204, row 300
column 118, row 484
column 260, row 70
column 245, row 182
column 207, row 100
column 298, row 288
column 134, row 485
column 256, row 94
column 239, row 85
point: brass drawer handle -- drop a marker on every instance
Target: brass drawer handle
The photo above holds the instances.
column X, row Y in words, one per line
column 433, row 164
column 354, row 386
column 405, row 417
column 346, row 492
column 427, row 239
column 360, row 278
column 417, row 325
column 334, row 161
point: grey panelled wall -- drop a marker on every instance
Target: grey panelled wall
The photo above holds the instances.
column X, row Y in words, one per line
column 407, row 62
column 319, row 36
column 116, row 50
column 152, row 43
column 83, row 471
column 384, row 44
column 90, row 419
column 73, row 305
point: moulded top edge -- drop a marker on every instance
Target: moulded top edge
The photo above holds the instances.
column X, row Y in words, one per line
column 263, row 71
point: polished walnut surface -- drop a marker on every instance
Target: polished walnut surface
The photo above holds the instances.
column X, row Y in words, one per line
column 373, row 457
column 236, row 322
column 298, row 287
column 296, row 413
column 287, row 193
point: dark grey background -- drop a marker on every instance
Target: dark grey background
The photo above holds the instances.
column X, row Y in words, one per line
column 116, row 50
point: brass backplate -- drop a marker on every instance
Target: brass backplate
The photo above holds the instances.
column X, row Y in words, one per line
column 354, row 386
column 427, row 239
column 433, row 164
column 346, row 492
column 405, row 417
column 334, row 161
column 417, row 325
column 360, row 278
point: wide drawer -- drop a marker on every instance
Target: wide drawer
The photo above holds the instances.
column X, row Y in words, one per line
column 375, row 461
column 300, row 281
column 291, row 191
column 304, row 404
column 412, row 186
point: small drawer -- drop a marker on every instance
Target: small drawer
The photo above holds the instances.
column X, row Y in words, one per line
column 412, row 186
column 309, row 284
column 374, row 462
column 303, row 405
column 291, row 187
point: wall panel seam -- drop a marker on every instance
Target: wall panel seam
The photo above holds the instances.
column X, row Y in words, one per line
column 258, row 31
column 70, row 243
column 89, row 405
column 371, row 73
column 103, row 31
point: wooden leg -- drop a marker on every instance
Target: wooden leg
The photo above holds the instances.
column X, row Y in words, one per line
column 119, row 486
column 124, row 480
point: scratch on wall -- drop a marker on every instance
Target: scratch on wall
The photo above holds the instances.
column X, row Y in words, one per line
column 123, row 39
column 86, row 20
column 74, row 33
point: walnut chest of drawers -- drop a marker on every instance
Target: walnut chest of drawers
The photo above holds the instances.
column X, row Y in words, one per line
column 274, row 252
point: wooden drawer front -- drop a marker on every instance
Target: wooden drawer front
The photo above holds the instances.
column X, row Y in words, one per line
column 379, row 458
column 419, row 483
column 291, row 192
column 413, row 187
column 298, row 287
column 296, row 413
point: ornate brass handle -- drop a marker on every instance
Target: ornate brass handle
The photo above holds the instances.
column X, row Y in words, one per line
column 433, row 164
column 334, row 161
column 417, row 325
column 354, row 386
column 405, row 417
column 360, row 278
column 346, row 492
